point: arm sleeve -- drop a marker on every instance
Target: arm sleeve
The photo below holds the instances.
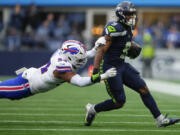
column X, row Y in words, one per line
column 80, row 81
column 91, row 53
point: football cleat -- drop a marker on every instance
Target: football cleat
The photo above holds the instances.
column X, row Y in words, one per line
column 167, row 121
column 90, row 114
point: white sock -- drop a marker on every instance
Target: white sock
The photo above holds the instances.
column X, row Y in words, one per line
column 160, row 118
column 94, row 109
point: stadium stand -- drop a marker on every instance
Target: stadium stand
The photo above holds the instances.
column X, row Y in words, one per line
column 38, row 25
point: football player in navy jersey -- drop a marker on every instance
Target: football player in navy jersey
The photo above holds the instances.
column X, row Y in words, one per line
column 119, row 44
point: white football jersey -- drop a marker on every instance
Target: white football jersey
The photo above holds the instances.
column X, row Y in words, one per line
column 42, row 79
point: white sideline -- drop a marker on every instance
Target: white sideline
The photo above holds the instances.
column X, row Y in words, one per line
column 163, row 87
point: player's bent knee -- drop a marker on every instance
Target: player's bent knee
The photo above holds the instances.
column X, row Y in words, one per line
column 144, row 90
column 120, row 103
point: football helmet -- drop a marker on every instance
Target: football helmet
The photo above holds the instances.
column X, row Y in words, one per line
column 126, row 13
column 75, row 53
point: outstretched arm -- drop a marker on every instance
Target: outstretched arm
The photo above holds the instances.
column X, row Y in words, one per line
column 77, row 80
column 91, row 53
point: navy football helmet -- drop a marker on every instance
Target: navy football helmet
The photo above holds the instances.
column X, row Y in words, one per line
column 126, row 13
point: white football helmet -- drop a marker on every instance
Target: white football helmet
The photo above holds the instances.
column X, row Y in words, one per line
column 75, row 53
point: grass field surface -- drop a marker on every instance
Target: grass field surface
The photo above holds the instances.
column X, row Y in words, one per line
column 62, row 110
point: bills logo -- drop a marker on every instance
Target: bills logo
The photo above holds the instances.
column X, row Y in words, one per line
column 71, row 50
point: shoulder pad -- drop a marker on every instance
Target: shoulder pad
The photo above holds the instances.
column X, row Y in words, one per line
column 114, row 29
column 63, row 66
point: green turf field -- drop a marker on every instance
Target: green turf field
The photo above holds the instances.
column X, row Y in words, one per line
column 61, row 112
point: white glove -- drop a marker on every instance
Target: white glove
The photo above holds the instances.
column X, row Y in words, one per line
column 21, row 70
column 109, row 73
column 99, row 42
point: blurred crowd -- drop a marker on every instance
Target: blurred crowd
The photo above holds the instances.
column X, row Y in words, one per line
column 28, row 28
column 163, row 34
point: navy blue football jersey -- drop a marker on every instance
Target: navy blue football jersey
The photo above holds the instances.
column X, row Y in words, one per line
column 121, row 41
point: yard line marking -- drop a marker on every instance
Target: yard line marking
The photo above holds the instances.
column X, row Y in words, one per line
column 73, row 115
column 43, row 114
column 82, row 109
column 34, row 103
column 74, row 122
column 87, row 130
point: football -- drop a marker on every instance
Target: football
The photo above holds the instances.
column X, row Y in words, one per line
column 134, row 50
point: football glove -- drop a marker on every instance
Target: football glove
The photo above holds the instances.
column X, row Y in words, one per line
column 99, row 42
column 109, row 73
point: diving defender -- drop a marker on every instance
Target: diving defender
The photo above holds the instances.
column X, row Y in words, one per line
column 61, row 68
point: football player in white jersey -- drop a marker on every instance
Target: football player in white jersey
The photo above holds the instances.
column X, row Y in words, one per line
column 61, row 68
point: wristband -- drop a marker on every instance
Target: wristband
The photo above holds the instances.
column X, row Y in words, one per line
column 95, row 78
column 95, row 71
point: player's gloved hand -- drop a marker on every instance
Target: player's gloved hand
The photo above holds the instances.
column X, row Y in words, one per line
column 109, row 73
column 99, row 42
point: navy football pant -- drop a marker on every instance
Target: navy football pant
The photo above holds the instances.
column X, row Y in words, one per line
column 16, row 88
column 128, row 75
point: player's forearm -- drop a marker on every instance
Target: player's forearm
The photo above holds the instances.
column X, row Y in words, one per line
column 84, row 81
column 101, row 51
column 80, row 81
column 98, row 58
column 91, row 53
